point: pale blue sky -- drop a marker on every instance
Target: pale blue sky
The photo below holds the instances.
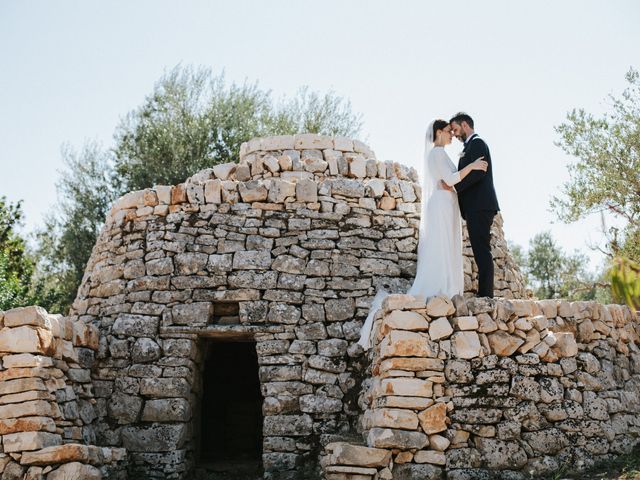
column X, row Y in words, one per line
column 71, row 69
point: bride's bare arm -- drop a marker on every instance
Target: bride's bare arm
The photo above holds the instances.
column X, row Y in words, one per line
column 478, row 164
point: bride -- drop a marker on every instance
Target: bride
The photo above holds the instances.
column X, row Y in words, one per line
column 439, row 270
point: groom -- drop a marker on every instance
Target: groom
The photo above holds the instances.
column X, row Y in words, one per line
column 477, row 198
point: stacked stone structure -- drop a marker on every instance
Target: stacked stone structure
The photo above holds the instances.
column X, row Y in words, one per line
column 284, row 251
column 285, row 248
column 46, row 400
column 495, row 389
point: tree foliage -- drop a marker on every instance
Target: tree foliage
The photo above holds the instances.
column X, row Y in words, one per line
column 18, row 284
column 191, row 120
column 194, row 120
column 552, row 273
column 606, row 175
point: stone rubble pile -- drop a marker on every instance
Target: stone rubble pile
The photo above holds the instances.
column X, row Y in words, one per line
column 46, row 400
column 484, row 388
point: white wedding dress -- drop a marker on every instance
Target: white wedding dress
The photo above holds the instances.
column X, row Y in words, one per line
column 439, row 270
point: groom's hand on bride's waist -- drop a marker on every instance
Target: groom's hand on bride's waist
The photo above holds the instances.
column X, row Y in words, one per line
column 444, row 186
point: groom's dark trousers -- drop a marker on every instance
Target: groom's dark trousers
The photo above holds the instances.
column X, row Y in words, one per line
column 478, row 206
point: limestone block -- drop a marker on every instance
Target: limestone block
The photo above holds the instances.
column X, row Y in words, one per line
column 178, row 194
column 357, row 166
column 224, row 170
column 25, row 441
column 124, row 409
column 26, row 339
column 440, row 328
column 253, row 191
column 195, row 194
column 71, row 452
column 406, row 387
column 486, row 324
column 135, row 326
column 163, row 193
column 165, row 387
column 28, row 424
column 466, row 344
column 343, row 144
column 438, row 442
column 26, row 360
column 319, row 404
column 213, row 191
column 503, row 344
column 287, row 425
column 392, row 418
column 440, row 306
column 33, row 315
column 399, row 301
column 412, row 364
column 347, row 187
column 401, row 343
column 75, row 470
column 434, row 419
column 167, row 410
column 130, row 200
column 411, row 403
column 430, row 456
column 346, row 454
column 21, row 385
column 306, row 191
column 393, row 438
column 468, row 322
column 252, row 260
column 339, row 309
column 279, row 190
column 387, row 203
column 403, row 320
column 565, row 345
column 278, row 142
column 499, row 455
column 312, row 141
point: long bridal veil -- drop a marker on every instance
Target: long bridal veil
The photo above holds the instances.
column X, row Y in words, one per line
column 428, row 187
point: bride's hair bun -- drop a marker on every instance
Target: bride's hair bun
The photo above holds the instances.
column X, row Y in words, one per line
column 438, row 125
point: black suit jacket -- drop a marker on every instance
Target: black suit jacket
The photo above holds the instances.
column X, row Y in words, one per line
column 475, row 191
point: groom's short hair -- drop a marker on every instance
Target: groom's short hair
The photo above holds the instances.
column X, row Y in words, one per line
column 462, row 117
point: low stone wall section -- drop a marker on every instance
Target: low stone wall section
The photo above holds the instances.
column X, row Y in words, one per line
column 483, row 389
column 47, row 402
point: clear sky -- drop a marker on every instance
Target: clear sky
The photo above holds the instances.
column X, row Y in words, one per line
column 69, row 70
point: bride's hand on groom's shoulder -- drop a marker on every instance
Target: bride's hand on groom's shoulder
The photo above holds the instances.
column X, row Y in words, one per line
column 480, row 164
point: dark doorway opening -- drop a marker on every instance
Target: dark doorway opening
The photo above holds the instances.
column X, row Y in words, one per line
column 231, row 410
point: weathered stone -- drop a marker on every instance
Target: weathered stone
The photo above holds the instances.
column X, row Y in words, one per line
column 24, row 441
column 342, row 309
column 194, row 314
column 252, row 260
column 26, row 339
column 504, row 344
column 401, row 343
column 135, row 326
column 403, row 320
column 466, row 344
column 75, row 470
column 440, row 328
column 156, row 437
column 393, row 438
column 434, row 419
column 411, row 387
column 166, row 410
column 440, row 306
column 392, row 418
column 346, row 454
column 501, row 455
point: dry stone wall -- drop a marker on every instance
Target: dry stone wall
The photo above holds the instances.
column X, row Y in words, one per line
column 286, row 248
column 46, row 400
column 484, row 389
